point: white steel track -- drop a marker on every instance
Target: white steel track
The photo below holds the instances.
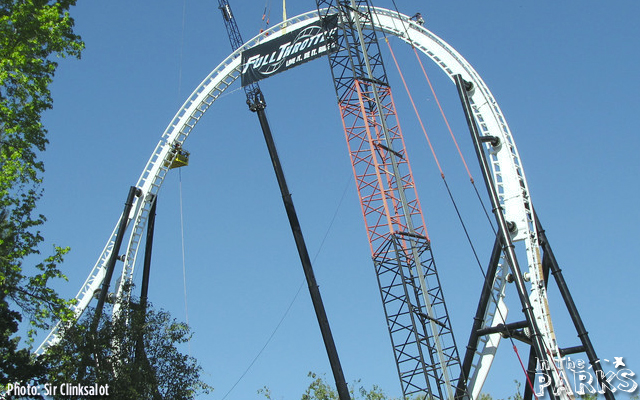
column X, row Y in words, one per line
column 507, row 172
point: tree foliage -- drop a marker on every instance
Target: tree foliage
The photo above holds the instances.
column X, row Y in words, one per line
column 319, row 389
column 151, row 369
column 32, row 33
column 16, row 364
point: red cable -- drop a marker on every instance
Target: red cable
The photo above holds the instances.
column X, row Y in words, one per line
column 525, row 372
column 560, row 373
column 414, row 108
column 442, row 112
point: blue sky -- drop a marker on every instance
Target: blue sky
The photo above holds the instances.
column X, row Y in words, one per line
column 562, row 72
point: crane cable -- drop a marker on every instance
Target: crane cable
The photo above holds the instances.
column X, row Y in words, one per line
column 295, row 297
column 447, row 186
column 415, row 109
column 435, row 157
column 515, row 349
column 184, row 268
column 184, row 12
column 446, row 121
column 404, row 27
column 184, row 265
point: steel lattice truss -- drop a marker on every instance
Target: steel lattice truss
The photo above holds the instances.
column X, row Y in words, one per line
column 417, row 317
column 410, row 328
column 371, row 154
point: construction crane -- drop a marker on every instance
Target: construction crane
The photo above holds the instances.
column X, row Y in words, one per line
column 255, row 99
column 257, row 104
column 418, row 321
column 417, row 318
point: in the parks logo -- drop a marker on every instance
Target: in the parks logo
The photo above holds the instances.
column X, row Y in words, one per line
column 578, row 377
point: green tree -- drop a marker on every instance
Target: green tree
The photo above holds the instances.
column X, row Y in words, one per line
column 319, row 389
column 517, row 395
column 153, row 368
column 32, row 33
column 15, row 364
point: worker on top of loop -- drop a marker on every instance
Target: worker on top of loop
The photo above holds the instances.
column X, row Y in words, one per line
column 418, row 18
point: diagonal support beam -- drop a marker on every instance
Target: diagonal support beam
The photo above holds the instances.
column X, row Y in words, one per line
column 509, row 249
column 550, row 263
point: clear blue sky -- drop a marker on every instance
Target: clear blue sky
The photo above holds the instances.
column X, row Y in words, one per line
column 564, row 74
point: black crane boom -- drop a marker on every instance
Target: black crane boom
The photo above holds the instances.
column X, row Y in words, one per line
column 257, row 104
column 254, row 95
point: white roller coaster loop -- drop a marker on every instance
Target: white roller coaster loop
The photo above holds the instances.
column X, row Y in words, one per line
column 507, row 172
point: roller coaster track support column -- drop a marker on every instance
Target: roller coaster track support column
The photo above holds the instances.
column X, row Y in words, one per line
column 503, row 229
column 133, row 192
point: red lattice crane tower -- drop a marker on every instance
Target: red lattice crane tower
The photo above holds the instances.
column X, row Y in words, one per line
column 417, row 317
